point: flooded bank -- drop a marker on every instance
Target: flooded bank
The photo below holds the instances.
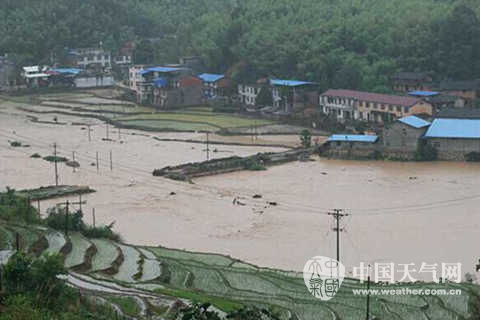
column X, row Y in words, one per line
column 399, row 212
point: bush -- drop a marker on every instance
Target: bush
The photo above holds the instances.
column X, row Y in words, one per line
column 105, row 232
column 15, row 208
column 376, row 155
column 426, row 152
column 57, row 219
column 306, row 138
column 473, row 156
column 253, row 165
column 53, row 158
column 35, row 156
column 15, row 143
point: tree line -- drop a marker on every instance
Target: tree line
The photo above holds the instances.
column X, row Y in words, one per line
column 355, row 44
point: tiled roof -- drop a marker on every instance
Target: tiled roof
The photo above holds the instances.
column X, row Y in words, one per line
column 454, row 128
column 373, row 97
column 415, row 122
column 353, row 138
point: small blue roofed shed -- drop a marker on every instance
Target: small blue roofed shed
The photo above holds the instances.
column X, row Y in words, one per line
column 160, row 83
column 454, row 128
column 210, row 77
column 289, row 83
column 66, row 70
column 353, row 138
column 161, row 69
column 415, row 122
column 424, row 93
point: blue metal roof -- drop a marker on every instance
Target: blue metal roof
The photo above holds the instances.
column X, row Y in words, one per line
column 161, row 69
column 210, row 77
column 66, row 70
column 289, row 83
column 454, row 128
column 424, row 93
column 353, row 138
column 415, row 122
column 160, row 83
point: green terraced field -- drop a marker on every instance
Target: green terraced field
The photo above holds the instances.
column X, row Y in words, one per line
column 214, row 119
column 169, row 124
column 230, row 284
column 80, row 246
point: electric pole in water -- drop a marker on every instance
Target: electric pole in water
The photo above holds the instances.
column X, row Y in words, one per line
column 55, row 160
column 338, row 215
column 208, row 146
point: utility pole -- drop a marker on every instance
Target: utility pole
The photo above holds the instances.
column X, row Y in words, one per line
column 119, row 136
column 97, row 161
column 17, row 241
column 66, row 218
column 73, row 158
column 208, row 146
column 111, row 161
column 107, row 131
column 93, row 216
column 80, row 201
column 338, row 215
column 56, row 165
column 368, row 294
column 89, row 136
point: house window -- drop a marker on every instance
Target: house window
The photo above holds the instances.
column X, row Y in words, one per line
column 399, row 108
column 405, row 109
column 382, row 106
column 339, row 143
column 436, row 144
column 390, row 108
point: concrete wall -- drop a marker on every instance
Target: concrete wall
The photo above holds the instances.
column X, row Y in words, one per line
column 90, row 82
column 401, row 137
column 454, row 149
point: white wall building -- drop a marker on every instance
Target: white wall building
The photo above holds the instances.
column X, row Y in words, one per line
column 248, row 93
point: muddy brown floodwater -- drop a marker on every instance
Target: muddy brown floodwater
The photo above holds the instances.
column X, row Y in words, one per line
column 399, row 212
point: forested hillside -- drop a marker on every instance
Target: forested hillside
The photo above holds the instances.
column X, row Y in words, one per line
column 354, row 44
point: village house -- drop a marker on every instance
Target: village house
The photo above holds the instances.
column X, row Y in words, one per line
column 439, row 100
column 411, row 81
column 400, row 138
column 290, row 95
column 214, row 85
column 468, row 90
column 287, row 95
column 7, row 73
column 372, row 107
column 35, row 76
column 166, row 87
column 248, row 93
column 454, row 138
column 350, row 146
column 84, row 57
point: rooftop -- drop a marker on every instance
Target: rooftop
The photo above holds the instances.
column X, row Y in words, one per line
column 454, row 128
column 415, row 122
column 65, row 71
column 161, row 69
column 353, row 138
column 424, row 93
column 373, row 97
column 210, row 77
column 289, row 83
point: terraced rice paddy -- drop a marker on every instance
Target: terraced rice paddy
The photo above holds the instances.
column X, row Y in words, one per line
column 130, row 266
column 109, row 252
column 229, row 284
column 80, row 245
